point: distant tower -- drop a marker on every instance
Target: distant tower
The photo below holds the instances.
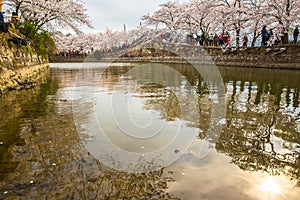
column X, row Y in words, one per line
column 124, row 26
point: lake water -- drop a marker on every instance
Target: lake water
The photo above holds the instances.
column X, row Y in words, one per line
column 152, row 131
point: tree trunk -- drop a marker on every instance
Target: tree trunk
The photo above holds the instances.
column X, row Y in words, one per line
column 255, row 35
column 237, row 39
column 238, row 28
column 288, row 5
column 253, row 42
column 18, row 7
column 285, row 38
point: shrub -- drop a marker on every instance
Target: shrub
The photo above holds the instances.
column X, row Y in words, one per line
column 41, row 39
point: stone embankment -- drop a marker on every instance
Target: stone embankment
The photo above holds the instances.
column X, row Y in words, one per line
column 277, row 57
column 20, row 66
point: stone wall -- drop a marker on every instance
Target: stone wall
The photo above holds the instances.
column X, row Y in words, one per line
column 279, row 57
column 20, row 66
column 24, row 77
column 282, row 57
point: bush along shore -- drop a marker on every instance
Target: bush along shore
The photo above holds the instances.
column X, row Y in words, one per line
column 24, row 55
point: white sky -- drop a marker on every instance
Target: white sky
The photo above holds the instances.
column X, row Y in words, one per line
column 113, row 14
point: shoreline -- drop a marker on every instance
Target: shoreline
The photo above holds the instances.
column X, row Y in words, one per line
column 274, row 57
column 24, row 77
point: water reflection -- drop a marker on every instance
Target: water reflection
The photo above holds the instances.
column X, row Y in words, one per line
column 50, row 162
column 120, row 125
column 263, row 120
column 15, row 111
column 255, row 157
column 263, row 126
column 262, row 129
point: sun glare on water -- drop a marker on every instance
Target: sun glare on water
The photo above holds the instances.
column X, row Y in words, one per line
column 269, row 185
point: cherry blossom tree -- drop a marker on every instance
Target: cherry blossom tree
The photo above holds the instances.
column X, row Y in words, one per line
column 231, row 14
column 105, row 41
column 283, row 12
column 238, row 16
column 168, row 15
column 53, row 13
column 200, row 15
column 257, row 18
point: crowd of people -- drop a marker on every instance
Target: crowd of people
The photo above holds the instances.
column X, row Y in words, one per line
column 268, row 38
column 222, row 40
column 208, row 39
column 272, row 37
column 76, row 53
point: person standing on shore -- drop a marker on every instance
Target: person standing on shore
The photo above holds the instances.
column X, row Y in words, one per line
column 216, row 40
column 15, row 18
column 264, row 34
column 296, row 34
column 245, row 41
column 228, row 39
column 1, row 18
column 221, row 39
column 1, row 13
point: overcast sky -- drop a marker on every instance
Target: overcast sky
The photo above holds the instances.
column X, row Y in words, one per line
column 113, row 14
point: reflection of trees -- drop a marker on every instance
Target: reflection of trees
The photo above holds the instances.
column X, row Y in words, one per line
column 52, row 164
column 171, row 105
column 261, row 132
column 160, row 98
column 113, row 184
column 15, row 110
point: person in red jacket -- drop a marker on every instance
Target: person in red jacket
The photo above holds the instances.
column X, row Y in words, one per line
column 245, row 41
column 227, row 39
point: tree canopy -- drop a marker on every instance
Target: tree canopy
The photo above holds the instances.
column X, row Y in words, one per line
column 247, row 16
column 240, row 17
column 53, row 13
